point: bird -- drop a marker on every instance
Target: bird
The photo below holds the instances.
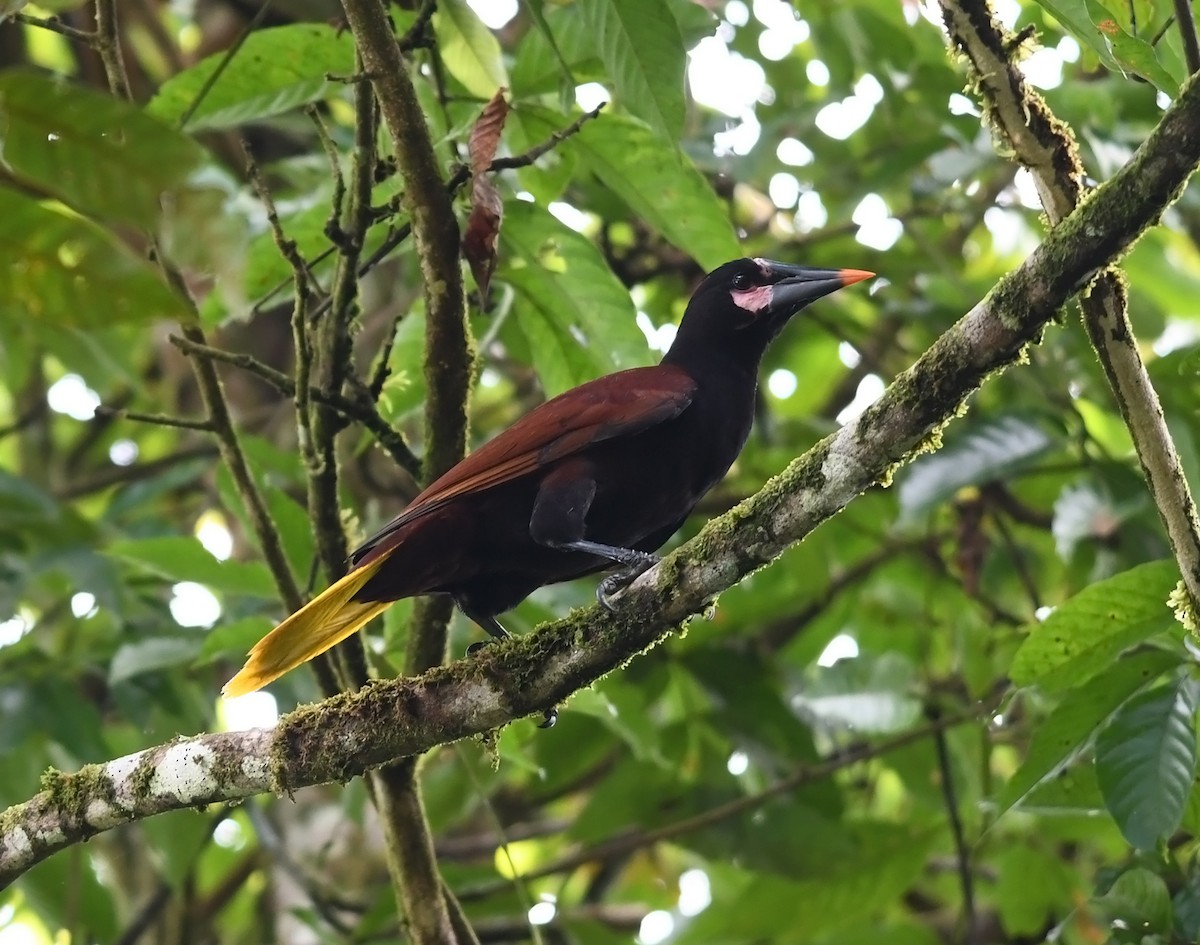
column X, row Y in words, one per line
column 599, row 476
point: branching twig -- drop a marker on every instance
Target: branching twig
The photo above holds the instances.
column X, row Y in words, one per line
column 56, row 25
column 364, row 412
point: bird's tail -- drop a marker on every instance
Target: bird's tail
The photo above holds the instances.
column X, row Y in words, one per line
column 323, row 622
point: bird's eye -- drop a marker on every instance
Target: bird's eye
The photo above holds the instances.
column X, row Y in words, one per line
column 741, row 281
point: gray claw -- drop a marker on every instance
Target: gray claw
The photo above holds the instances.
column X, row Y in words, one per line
column 617, row 582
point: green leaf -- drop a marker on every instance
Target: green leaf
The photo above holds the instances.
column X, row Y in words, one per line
column 1069, row 727
column 866, row 694
column 1086, row 511
column 1186, row 908
column 102, row 156
column 1072, row 791
column 468, row 49
column 645, row 171
column 1140, row 901
column 579, row 320
column 1084, row 634
column 1032, row 886
column 147, row 656
column 181, row 558
column 1145, row 763
column 640, row 44
column 995, row 448
column 24, row 505
column 234, row 637
column 62, row 270
column 1095, row 26
column 276, row 70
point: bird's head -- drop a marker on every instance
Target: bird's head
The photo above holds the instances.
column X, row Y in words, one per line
column 748, row 301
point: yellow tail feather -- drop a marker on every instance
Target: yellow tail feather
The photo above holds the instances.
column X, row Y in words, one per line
column 323, row 622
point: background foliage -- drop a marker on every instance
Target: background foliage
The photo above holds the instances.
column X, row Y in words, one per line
column 960, row 711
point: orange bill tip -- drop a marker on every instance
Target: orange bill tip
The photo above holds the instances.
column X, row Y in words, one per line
column 851, row 276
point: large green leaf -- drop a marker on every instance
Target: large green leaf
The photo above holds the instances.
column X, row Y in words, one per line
column 640, row 44
column 468, row 49
column 180, row 558
column 869, row 694
column 579, row 320
column 61, row 270
column 991, row 449
column 646, row 172
column 1082, row 635
column 151, row 655
column 276, row 70
column 100, row 155
column 1096, row 26
column 1069, row 727
column 1139, row 905
column 1145, row 763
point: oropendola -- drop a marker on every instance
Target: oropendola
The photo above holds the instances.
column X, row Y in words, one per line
column 602, row 474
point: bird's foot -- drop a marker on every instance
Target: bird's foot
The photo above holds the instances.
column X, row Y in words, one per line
column 477, row 646
column 617, row 582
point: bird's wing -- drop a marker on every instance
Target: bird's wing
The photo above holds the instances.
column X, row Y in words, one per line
column 620, row 404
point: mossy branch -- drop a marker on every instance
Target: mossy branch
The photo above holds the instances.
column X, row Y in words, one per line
column 448, row 366
column 1023, row 124
column 349, row 734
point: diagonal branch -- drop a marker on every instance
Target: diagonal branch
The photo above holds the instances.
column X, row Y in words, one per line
column 349, row 734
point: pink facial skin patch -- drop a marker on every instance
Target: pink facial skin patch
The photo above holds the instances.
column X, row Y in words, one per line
column 752, row 300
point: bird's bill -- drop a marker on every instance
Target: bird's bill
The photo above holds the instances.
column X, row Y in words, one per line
column 797, row 286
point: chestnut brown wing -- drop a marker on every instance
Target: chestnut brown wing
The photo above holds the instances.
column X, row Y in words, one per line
column 615, row 405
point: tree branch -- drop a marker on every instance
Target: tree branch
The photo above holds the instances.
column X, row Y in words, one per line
column 344, row 736
column 448, row 368
column 1023, row 121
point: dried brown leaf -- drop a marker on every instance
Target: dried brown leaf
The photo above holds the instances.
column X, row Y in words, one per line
column 485, row 136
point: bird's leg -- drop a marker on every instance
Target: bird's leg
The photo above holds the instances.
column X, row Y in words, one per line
column 559, row 514
column 496, row 629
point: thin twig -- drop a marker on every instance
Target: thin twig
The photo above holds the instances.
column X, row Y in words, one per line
column 26, row 419
column 336, row 200
column 415, row 36
column 1187, row 32
column 961, row 850
column 226, row 59
column 56, row 25
column 108, row 45
column 157, row 419
column 135, row 472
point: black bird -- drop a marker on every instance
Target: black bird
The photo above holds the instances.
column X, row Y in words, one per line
column 600, row 475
